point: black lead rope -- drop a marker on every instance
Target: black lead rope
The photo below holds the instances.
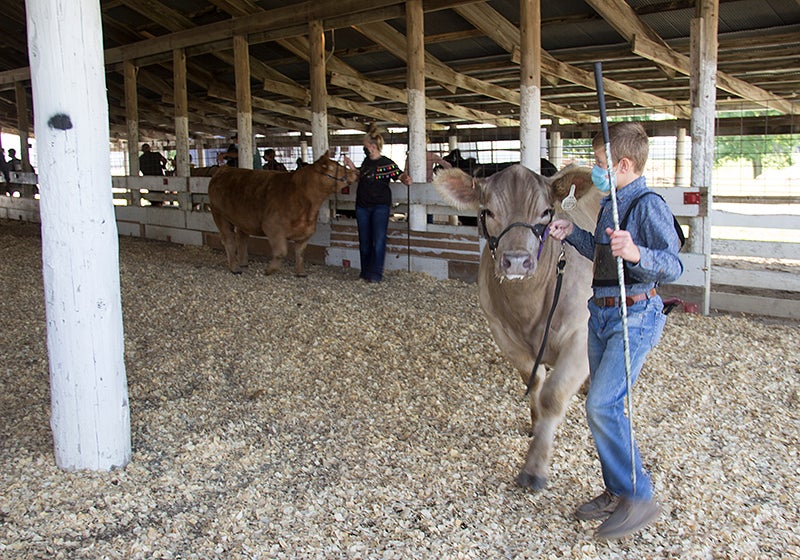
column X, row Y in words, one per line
column 562, row 262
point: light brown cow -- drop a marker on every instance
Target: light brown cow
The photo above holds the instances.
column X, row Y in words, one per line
column 283, row 206
column 517, row 279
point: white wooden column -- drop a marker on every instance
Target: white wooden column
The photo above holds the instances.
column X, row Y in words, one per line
column 80, row 253
column 680, row 159
column 703, row 99
column 319, row 90
column 452, row 138
column 23, row 124
column 556, row 153
column 181, row 113
column 131, row 116
column 415, row 44
column 319, row 102
column 244, row 102
column 530, row 110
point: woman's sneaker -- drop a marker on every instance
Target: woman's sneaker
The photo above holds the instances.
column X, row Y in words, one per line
column 599, row 508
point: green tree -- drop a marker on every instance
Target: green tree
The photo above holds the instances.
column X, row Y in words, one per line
column 770, row 150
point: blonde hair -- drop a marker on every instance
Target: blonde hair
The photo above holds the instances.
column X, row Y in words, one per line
column 374, row 137
column 628, row 140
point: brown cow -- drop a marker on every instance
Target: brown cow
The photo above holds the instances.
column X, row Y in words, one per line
column 517, row 279
column 282, row 206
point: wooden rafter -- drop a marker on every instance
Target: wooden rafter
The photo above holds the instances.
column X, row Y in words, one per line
column 385, row 35
column 505, row 34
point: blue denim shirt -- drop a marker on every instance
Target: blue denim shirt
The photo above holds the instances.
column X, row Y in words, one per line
column 652, row 229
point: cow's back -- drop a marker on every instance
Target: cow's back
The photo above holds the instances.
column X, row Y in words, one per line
column 245, row 197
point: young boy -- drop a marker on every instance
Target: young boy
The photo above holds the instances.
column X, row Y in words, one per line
column 649, row 248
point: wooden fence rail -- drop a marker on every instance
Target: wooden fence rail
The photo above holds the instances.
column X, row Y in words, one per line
column 175, row 209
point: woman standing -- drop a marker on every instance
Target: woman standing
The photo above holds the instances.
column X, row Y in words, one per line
column 373, row 202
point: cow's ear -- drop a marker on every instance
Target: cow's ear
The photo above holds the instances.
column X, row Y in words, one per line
column 573, row 174
column 458, row 189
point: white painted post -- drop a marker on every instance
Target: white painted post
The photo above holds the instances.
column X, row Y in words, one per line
column 452, row 139
column 417, row 157
column 556, row 148
column 244, row 101
column 90, row 416
column 703, row 97
column 319, row 102
column 680, row 159
column 530, row 110
column 319, row 90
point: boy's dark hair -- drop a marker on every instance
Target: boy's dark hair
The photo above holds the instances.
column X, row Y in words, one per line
column 269, row 152
column 628, row 140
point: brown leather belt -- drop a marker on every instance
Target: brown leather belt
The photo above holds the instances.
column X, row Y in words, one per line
column 613, row 301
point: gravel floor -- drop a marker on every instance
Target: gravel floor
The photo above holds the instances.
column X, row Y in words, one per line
column 277, row 417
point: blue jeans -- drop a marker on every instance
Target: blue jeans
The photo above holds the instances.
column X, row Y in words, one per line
column 605, row 402
column 373, row 223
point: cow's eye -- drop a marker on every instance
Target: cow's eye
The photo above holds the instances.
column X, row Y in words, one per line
column 547, row 214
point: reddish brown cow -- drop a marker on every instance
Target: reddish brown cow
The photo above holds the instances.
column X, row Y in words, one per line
column 282, row 206
column 516, row 282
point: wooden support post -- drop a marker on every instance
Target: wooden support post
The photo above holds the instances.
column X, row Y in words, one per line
column 90, row 417
column 703, row 99
column 319, row 101
column 319, row 91
column 181, row 113
column 417, row 146
column 556, row 153
column 23, row 124
column 131, row 116
column 244, row 102
column 452, row 138
column 681, row 168
column 530, row 110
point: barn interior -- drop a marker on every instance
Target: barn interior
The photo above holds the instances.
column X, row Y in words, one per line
column 472, row 65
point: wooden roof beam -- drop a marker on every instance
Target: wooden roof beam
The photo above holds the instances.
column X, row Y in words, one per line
column 399, row 95
column 394, row 42
column 354, row 107
column 619, row 15
column 681, row 63
column 495, row 26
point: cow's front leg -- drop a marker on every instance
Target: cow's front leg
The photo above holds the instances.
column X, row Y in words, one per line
column 279, row 249
column 552, row 400
column 299, row 262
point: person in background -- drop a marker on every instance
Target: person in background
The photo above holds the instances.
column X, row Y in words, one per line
column 4, row 168
column 300, row 163
column 270, row 163
column 256, row 159
column 373, row 201
column 14, row 163
column 230, row 157
column 150, row 162
column 649, row 249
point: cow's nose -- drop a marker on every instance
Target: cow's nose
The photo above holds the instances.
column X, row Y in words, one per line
column 516, row 263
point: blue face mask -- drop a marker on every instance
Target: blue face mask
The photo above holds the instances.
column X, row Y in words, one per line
column 600, row 179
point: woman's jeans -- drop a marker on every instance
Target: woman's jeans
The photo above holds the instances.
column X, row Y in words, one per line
column 605, row 403
column 373, row 223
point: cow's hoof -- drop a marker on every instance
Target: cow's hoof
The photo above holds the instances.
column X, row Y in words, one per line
column 301, row 274
column 237, row 271
column 526, row 480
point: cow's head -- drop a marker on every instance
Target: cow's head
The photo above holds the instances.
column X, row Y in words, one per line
column 340, row 175
column 514, row 209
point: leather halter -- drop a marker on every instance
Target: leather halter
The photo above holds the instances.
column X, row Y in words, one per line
column 336, row 178
column 539, row 230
